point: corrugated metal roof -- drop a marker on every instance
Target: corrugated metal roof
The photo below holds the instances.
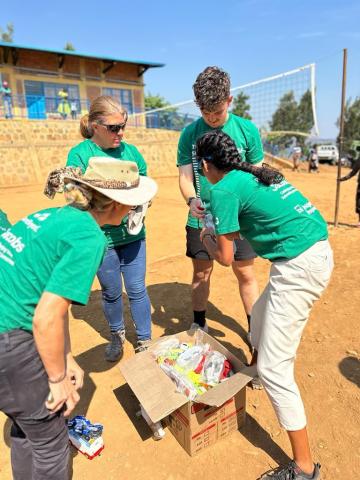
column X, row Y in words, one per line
column 84, row 55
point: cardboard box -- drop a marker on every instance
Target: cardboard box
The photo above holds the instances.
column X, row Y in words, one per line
column 198, row 424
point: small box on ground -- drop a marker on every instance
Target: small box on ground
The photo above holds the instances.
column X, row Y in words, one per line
column 195, row 424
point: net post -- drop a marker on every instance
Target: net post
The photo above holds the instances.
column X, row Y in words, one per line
column 341, row 137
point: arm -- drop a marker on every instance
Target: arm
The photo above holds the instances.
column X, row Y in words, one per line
column 187, row 189
column 73, row 371
column 220, row 247
column 254, row 153
column 50, row 333
column 355, row 169
column 139, row 159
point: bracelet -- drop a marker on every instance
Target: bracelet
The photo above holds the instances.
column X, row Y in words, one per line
column 59, row 380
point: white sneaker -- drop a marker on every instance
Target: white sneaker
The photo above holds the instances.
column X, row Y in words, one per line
column 256, row 383
column 195, row 326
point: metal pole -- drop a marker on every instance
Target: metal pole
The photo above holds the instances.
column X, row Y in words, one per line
column 341, row 137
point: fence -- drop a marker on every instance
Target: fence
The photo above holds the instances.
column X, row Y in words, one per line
column 39, row 107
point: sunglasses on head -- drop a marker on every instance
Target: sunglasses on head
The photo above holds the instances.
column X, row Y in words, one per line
column 115, row 128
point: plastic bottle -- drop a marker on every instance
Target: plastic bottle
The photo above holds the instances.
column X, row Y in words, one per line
column 156, row 428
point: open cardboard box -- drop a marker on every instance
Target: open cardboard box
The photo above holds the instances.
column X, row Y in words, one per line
column 195, row 424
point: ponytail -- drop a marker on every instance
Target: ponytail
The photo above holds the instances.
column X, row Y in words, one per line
column 86, row 129
column 217, row 148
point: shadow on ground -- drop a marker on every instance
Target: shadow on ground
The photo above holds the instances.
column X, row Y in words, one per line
column 172, row 312
column 350, row 368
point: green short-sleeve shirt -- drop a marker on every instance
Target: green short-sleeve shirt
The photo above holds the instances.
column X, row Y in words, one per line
column 245, row 136
column 277, row 220
column 79, row 157
column 57, row 250
column 4, row 222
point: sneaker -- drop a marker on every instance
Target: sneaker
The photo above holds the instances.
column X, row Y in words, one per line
column 142, row 345
column 256, row 383
column 115, row 350
column 291, row 472
column 195, row 326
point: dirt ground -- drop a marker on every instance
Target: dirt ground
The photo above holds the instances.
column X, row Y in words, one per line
column 328, row 366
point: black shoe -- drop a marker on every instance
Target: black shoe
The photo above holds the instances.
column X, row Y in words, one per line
column 291, row 472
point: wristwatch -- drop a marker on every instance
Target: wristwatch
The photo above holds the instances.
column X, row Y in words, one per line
column 190, row 199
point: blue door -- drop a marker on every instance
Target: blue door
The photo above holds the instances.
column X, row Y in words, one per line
column 35, row 99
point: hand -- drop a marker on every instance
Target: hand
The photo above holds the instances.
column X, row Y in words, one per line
column 205, row 232
column 196, row 208
column 74, row 372
column 60, row 394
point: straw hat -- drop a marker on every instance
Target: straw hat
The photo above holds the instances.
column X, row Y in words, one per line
column 116, row 179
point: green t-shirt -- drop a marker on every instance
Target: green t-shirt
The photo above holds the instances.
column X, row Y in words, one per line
column 4, row 222
column 245, row 136
column 57, row 250
column 79, row 157
column 277, row 220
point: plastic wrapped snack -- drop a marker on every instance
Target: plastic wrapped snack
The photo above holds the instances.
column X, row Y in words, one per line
column 213, row 367
column 183, row 385
column 191, row 358
column 164, row 347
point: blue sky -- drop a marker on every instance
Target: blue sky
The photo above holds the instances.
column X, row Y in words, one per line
column 251, row 39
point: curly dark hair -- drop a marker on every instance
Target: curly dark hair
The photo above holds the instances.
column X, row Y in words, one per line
column 217, row 148
column 211, row 87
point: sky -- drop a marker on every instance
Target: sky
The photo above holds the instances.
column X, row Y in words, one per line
column 250, row 39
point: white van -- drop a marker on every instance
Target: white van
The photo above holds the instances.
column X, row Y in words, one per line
column 328, row 153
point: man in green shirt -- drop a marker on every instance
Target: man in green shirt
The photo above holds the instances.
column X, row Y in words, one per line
column 212, row 95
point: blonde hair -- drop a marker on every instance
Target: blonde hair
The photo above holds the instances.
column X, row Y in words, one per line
column 85, row 198
column 100, row 108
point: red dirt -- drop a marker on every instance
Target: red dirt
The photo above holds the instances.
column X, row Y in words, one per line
column 328, row 366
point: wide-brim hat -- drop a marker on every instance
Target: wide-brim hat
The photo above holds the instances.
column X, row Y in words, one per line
column 117, row 179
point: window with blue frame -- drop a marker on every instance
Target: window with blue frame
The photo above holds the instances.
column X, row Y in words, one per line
column 123, row 96
column 47, row 94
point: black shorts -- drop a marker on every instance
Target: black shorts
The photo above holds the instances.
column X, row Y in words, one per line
column 196, row 249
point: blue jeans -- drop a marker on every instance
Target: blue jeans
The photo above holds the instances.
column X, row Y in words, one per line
column 126, row 262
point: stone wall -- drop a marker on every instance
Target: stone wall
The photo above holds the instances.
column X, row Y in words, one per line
column 30, row 149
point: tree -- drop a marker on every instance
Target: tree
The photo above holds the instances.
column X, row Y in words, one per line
column 293, row 117
column 70, row 47
column 351, row 123
column 155, row 101
column 306, row 118
column 285, row 117
column 7, row 35
column 241, row 107
column 169, row 118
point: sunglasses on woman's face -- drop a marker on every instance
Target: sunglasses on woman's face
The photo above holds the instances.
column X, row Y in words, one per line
column 115, row 128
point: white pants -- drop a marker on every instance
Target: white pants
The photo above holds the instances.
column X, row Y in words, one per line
column 277, row 321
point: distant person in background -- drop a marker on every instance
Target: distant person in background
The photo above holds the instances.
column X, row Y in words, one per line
column 313, row 160
column 73, row 109
column 64, row 106
column 296, row 155
column 5, row 93
column 355, row 170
